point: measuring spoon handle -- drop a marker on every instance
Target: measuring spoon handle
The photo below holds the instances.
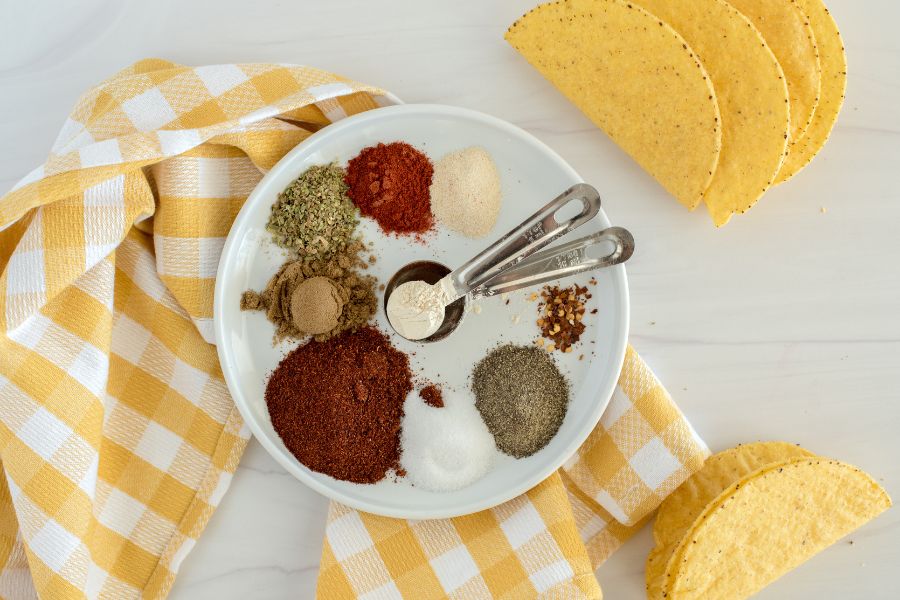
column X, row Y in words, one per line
column 534, row 233
column 562, row 261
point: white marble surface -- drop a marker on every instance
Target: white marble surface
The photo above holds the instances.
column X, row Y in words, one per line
column 782, row 325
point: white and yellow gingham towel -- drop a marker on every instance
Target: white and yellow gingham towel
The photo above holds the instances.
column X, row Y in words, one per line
column 117, row 435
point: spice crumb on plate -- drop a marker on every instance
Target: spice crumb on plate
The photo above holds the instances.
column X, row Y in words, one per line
column 432, row 395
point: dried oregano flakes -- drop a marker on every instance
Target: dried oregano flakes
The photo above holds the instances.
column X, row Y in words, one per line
column 314, row 216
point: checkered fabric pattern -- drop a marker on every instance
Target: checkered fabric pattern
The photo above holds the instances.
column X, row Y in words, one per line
column 525, row 548
column 118, row 437
column 545, row 543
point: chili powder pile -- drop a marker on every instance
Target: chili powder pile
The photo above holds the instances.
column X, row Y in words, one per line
column 390, row 183
column 338, row 404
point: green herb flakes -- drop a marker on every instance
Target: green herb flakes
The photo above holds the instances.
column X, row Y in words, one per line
column 314, row 216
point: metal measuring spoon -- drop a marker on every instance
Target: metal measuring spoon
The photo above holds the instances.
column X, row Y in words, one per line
column 483, row 275
column 568, row 259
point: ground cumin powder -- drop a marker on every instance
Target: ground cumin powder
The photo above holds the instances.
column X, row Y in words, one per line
column 356, row 291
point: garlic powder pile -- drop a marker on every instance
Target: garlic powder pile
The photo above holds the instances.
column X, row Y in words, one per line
column 465, row 192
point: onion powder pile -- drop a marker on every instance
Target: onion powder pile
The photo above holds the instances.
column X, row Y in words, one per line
column 465, row 192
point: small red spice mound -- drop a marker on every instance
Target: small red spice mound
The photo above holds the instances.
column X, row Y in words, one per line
column 390, row 183
column 338, row 404
column 561, row 311
column 432, row 396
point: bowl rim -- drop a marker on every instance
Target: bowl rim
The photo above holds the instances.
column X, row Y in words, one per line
column 291, row 465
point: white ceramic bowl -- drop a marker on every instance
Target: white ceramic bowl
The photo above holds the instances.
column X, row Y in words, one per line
column 531, row 175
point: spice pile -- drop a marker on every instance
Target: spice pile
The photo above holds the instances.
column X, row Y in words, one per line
column 465, row 192
column 338, row 404
column 561, row 317
column 432, row 396
column 445, row 448
column 389, row 182
column 417, row 309
column 313, row 296
column 314, row 215
column 521, row 396
column 342, row 402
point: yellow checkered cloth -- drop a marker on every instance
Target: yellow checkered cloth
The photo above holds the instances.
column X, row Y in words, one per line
column 543, row 544
column 117, row 434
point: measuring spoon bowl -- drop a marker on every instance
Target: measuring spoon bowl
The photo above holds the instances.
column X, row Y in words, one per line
column 430, row 272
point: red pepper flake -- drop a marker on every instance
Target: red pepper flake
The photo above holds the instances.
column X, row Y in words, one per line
column 390, row 183
column 561, row 312
column 338, row 404
column 432, row 396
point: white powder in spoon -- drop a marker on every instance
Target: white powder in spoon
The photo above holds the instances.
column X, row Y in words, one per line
column 416, row 309
column 465, row 192
column 447, row 448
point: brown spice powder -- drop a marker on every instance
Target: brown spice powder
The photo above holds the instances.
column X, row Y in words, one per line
column 357, row 291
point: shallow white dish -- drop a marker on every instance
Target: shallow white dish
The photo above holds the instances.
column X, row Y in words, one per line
column 531, row 174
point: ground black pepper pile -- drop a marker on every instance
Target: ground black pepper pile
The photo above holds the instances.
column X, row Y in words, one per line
column 521, row 396
column 338, row 404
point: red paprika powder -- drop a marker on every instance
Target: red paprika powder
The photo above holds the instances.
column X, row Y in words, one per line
column 390, row 183
column 338, row 404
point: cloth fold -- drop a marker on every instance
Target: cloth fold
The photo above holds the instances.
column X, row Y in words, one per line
column 118, row 437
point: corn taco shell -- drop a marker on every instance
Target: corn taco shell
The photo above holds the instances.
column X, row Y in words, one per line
column 682, row 507
column 636, row 79
column 787, row 31
column 769, row 523
column 752, row 95
column 833, row 61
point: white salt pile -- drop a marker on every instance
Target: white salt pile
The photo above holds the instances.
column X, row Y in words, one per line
column 447, row 448
column 465, row 192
